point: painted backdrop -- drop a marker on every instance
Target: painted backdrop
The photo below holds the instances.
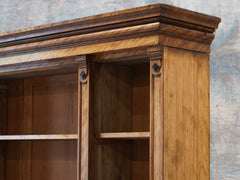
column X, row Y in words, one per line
column 225, row 60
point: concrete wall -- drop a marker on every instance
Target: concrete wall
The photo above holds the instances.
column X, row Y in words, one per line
column 225, row 60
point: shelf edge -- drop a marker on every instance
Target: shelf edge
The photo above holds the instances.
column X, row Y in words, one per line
column 38, row 137
column 124, row 135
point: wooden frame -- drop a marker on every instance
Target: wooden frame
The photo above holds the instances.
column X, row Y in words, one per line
column 142, row 92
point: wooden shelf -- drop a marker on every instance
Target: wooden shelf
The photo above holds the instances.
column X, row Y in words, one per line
column 125, row 135
column 38, row 137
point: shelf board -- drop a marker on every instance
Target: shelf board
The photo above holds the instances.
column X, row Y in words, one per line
column 124, row 135
column 38, row 137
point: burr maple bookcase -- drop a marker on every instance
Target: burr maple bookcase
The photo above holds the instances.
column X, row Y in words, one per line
column 117, row 96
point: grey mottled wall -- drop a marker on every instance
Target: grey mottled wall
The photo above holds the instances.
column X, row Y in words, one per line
column 225, row 60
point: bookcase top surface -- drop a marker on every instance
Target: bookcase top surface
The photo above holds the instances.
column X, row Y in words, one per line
column 124, row 18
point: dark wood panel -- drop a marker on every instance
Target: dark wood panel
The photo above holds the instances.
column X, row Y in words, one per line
column 15, row 107
column 140, row 160
column 54, row 160
column 120, row 102
column 112, row 98
column 3, row 128
column 51, row 104
column 3, row 111
column 14, row 163
column 2, row 160
column 140, row 98
column 111, row 112
column 140, row 120
column 114, row 161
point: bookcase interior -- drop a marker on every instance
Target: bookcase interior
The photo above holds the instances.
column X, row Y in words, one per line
column 119, row 115
column 119, row 97
column 39, row 128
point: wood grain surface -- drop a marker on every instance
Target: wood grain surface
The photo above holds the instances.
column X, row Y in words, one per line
column 139, row 27
column 186, row 115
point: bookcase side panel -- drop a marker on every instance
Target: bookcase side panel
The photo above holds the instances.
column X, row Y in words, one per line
column 186, row 115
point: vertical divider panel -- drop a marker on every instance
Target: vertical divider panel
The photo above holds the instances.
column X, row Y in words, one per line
column 156, row 112
column 83, row 123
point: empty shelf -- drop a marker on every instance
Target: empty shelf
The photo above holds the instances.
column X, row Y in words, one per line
column 38, row 137
column 124, row 135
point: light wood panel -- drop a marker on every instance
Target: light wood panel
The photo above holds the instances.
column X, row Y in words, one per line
column 83, row 50
column 203, row 112
column 84, row 148
column 186, row 115
column 156, row 113
column 44, row 67
column 37, row 137
column 125, row 135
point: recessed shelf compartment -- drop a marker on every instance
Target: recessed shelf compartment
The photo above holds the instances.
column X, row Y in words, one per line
column 119, row 97
column 128, row 160
column 39, row 128
column 40, row 106
column 38, row 160
column 120, row 120
column 124, row 135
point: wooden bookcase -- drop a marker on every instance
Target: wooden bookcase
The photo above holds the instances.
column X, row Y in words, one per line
column 117, row 96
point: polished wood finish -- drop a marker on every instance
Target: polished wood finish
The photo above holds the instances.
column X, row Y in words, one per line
column 122, row 95
column 139, row 27
column 51, row 104
column 40, row 68
column 125, row 135
column 156, row 112
column 120, row 110
column 186, row 115
column 111, row 112
column 41, row 120
column 37, row 137
column 54, row 160
column 130, row 17
column 83, row 91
